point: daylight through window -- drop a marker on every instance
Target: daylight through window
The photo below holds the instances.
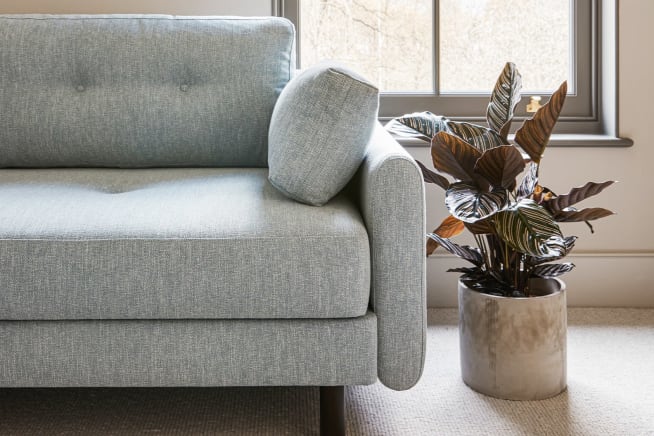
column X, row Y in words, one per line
column 444, row 56
column 392, row 42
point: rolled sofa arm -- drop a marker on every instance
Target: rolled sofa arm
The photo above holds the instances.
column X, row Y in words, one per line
column 392, row 200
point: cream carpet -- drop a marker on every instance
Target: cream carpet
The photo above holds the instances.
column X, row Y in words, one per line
column 610, row 392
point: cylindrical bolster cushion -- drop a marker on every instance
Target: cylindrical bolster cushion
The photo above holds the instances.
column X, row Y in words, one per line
column 318, row 133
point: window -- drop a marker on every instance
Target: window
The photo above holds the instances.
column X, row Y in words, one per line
column 444, row 55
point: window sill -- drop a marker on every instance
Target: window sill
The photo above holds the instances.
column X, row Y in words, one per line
column 557, row 140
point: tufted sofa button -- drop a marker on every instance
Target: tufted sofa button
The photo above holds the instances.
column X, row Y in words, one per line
column 80, row 88
column 184, row 88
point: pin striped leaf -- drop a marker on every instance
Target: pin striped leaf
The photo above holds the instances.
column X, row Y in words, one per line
column 529, row 182
column 430, row 176
column 568, row 245
column 535, row 133
column 500, row 166
column 425, row 123
column 468, row 203
column 454, row 156
column 588, row 214
column 466, row 270
column 400, row 130
column 449, row 228
column 576, row 195
column 552, row 269
column 481, row 227
column 480, row 137
column 504, row 99
column 528, row 228
column 466, row 252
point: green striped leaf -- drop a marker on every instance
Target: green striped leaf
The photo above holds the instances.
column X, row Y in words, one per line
column 468, row 203
column 529, row 182
column 500, row 166
column 535, row 133
column 576, row 195
column 480, row 137
column 466, row 252
column 425, row 123
column 528, row 228
column 400, row 130
column 453, row 156
column 504, row 99
column 568, row 245
column 481, row 227
column 466, row 270
column 552, row 270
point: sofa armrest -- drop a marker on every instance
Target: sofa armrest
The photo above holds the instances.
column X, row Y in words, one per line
column 392, row 201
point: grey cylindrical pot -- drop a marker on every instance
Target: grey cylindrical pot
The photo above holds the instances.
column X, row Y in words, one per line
column 514, row 348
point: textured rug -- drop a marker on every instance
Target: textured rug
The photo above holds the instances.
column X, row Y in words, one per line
column 610, row 392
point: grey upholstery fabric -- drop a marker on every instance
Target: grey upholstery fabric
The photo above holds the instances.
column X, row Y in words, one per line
column 393, row 207
column 174, row 243
column 198, row 277
column 140, row 91
column 188, row 352
column 319, row 131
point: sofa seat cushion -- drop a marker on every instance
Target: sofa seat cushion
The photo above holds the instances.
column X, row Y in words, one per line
column 174, row 243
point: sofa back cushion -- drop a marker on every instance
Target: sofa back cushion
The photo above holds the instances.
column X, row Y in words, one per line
column 140, row 91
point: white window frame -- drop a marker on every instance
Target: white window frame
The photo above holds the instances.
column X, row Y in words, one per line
column 590, row 116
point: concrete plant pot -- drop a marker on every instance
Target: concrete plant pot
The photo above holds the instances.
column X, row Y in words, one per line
column 514, row 348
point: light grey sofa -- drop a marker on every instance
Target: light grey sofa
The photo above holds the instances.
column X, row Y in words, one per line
column 141, row 242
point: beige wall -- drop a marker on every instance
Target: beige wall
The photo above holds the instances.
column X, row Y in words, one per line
column 613, row 265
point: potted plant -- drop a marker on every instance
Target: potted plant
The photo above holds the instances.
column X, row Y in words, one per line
column 512, row 306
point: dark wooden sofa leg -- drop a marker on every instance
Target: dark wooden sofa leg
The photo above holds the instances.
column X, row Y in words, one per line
column 332, row 411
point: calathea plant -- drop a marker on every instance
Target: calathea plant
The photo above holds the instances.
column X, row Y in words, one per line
column 514, row 223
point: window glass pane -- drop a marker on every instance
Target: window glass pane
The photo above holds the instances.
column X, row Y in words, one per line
column 477, row 37
column 390, row 42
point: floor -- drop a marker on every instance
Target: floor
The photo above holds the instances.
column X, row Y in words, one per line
column 610, row 392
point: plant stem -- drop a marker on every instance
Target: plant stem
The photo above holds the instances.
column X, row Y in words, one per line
column 516, row 267
column 524, row 281
column 506, row 256
column 484, row 251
